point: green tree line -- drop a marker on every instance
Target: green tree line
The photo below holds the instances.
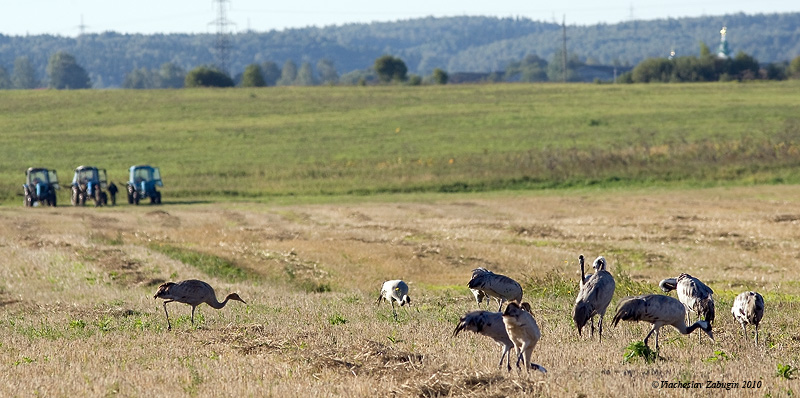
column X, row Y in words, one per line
column 456, row 44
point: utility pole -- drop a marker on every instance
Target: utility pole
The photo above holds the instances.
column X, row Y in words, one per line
column 564, row 49
column 81, row 27
column 222, row 42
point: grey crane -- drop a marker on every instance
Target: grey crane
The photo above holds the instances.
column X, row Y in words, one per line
column 523, row 332
column 695, row 295
column 489, row 324
column 394, row 290
column 658, row 310
column 594, row 298
column 500, row 287
column 192, row 292
column 748, row 309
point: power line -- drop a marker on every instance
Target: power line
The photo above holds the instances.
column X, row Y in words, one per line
column 81, row 27
column 223, row 42
column 564, row 48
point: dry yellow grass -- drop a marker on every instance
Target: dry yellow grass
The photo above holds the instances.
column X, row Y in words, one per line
column 78, row 317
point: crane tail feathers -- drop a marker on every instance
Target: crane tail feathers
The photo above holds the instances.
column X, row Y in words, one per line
column 461, row 326
column 627, row 311
column 580, row 315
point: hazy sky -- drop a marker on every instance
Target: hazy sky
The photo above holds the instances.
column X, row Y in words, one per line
column 60, row 17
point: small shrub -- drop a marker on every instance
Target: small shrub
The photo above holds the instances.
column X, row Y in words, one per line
column 638, row 349
column 105, row 324
column 718, row 356
column 336, row 319
column 77, row 324
column 786, row 371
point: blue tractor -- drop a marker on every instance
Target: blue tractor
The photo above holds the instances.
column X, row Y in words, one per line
column 142, row 184
column 40, row 187
column 89, row 182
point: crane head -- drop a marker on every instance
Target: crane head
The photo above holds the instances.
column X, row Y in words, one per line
column 234, row 296
column 707, row 328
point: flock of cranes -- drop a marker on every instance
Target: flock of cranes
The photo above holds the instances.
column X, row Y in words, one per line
column 517, row 328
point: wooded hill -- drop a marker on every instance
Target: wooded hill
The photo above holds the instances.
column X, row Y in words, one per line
column 457, row 44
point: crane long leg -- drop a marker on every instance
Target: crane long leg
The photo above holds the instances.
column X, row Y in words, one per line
column 506, row 351
column 393, row 310
column 169, row 326
column 756, row 335
column 193, row 307
column 649, row 334
column 600, row 327
column 657, row 336
column 522, row 357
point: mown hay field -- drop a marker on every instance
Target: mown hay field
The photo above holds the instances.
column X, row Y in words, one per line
column 77, row 316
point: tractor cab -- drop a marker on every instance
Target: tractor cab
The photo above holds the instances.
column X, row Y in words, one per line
column 142, row 184
column 89, row 182
column 40, row 185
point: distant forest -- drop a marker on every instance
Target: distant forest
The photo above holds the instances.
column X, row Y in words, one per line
column 457, row 44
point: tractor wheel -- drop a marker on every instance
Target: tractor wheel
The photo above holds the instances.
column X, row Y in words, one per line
column 158, row 198
column 130, row 198
column 81, row 199
column 28, row 201
column 75, row 198
column 53, row 199
column 136, row 198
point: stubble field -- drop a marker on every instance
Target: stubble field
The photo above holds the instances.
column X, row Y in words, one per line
column 77, row 316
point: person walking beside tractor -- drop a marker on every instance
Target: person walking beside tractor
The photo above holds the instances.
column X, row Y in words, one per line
column 112, row 189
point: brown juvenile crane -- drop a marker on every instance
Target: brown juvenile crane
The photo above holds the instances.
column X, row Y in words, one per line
column 523, row 332
column 192, row 292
